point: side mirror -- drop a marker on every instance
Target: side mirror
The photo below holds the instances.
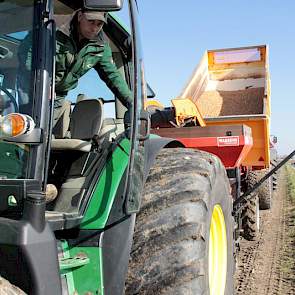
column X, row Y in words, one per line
column 103, row 5
column 150, row 91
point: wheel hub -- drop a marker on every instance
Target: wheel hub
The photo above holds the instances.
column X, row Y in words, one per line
column 217, row 252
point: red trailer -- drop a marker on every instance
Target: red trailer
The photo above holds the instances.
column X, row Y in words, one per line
column 230, row 143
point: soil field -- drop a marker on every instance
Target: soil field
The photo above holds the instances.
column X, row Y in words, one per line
column 266, row 266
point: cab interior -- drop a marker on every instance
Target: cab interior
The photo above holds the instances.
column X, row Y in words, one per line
column 86, row 135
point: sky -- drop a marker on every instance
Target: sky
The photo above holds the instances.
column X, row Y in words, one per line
column 174, row 37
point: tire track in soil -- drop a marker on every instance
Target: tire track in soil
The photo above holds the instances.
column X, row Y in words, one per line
column 259, row 269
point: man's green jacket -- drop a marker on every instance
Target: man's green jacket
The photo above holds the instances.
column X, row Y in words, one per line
column 74, row 60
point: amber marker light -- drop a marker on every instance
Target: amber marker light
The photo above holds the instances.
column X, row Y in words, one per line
column 15, row 124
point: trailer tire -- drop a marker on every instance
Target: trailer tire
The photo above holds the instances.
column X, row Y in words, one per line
column 6, row 288
column 250, row 219
column 186, row 194
column 264, row 191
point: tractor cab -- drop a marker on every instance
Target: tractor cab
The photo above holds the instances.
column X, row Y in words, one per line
column 94, row 123
column 93, row 156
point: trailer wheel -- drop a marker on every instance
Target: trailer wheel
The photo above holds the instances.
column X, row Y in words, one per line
column 250, row 219
column 7, row 288
column 183, row 239
column 265, row 190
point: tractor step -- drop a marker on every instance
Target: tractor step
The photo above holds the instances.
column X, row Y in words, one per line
column 73, row 262
column 61, row 221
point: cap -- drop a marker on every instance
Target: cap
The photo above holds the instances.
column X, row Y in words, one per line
column 95, row 15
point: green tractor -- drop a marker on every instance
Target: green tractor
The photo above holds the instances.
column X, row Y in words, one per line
column 134, row 213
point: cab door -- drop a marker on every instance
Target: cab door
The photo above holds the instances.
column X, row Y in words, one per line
column 140, row 122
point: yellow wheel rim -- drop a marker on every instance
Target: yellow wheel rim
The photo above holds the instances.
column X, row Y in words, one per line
column 217, row 252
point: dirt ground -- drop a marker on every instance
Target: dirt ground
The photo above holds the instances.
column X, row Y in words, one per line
column 266, row 266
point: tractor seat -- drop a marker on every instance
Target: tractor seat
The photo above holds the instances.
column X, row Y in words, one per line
column 86, row 122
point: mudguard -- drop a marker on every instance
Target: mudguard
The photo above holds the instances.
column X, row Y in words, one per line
column 153, row 146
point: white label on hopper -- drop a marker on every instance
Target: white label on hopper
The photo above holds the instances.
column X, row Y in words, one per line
column 234, row 56
column 228, row 141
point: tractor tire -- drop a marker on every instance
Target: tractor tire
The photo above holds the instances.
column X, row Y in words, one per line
column 7, row 288
column 264, row 191
column 185, row 219
column 274, row 176
column 250, row 219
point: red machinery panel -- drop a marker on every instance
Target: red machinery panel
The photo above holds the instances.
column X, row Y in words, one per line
column 230, row 143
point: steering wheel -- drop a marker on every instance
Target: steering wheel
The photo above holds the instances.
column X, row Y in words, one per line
column 12, row 99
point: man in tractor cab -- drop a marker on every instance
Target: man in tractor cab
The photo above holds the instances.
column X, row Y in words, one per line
column 80, row 46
